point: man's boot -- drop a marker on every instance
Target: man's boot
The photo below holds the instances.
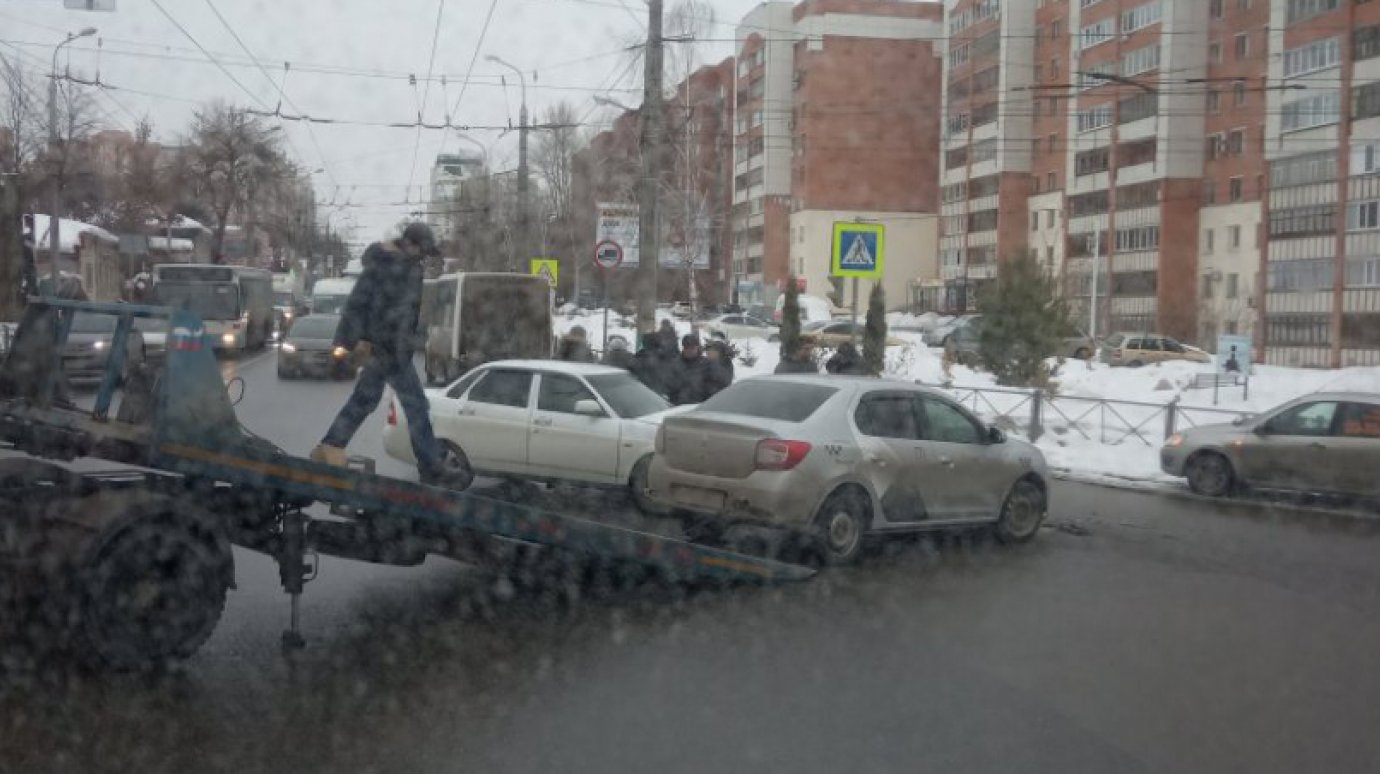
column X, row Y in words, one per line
column 330, row 455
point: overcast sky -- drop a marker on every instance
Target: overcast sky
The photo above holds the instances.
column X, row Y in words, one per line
column 569, row 49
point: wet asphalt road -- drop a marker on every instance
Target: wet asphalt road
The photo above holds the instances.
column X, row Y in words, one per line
column 1138, row 633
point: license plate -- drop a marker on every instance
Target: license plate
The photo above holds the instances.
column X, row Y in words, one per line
column 708, row 499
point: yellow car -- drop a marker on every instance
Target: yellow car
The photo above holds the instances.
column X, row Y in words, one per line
column 1137, row 349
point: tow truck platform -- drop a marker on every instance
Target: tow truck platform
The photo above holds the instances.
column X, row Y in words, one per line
column 135, row 564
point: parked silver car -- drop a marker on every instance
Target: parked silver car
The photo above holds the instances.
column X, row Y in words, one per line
column 1324, row 443
column 844, row 457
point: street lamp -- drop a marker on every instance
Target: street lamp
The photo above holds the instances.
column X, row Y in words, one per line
column 53, row 139
column 524, row 217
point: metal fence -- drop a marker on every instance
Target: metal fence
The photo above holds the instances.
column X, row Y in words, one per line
column 1034, row 413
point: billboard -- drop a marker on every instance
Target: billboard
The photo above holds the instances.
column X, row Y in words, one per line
column 1234, row 354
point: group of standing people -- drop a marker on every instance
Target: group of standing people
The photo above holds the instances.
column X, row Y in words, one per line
column 682, row 368
column 846, row 361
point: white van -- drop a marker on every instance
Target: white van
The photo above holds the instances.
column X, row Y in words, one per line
column 812, row 308
column 328, row 295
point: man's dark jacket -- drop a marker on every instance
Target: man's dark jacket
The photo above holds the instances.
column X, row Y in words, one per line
column 385, row 304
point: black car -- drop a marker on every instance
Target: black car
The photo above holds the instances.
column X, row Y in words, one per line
column 88, row 347
column 309, row 350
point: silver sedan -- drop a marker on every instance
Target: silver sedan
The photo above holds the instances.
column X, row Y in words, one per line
column 842, row 458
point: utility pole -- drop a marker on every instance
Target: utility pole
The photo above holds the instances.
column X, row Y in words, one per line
column 648, row 239
column 524, row 236
column 54, row 138
column 11, row 249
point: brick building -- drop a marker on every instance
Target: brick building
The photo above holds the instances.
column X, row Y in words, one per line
column 1212, row 162
column 836, row 120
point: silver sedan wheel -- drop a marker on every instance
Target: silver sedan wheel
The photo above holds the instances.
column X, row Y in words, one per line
column 843, row 521
column 1022, row 514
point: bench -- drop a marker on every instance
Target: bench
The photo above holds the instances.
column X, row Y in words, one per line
column 1203, row 381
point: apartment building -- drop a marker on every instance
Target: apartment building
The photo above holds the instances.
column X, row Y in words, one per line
column 1320, row 290
column 447, row 174
column 837, row 119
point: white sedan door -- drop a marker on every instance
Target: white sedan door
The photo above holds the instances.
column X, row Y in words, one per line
column 568, row 445
column 495, row 421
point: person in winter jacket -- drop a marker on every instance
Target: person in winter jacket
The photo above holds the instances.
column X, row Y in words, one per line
column 618, row 355
column 720, row 371
column 378, row 325
column 801, row 361
column 689, row 374
column 847, row 361
column 574, row 347
column 647, row 366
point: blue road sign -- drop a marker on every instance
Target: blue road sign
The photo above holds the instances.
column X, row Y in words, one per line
column 858, row 250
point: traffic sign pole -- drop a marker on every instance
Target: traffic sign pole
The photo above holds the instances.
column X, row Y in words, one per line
column 608, row 254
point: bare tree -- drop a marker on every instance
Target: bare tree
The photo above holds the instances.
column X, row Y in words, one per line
column 554, row 159
column 231, row 157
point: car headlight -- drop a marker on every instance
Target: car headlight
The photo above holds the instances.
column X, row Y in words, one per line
column 340, row 353
column 98, row 346
column 288, row 347
column 1174, row 441
column 228, row 338
column 287, row 315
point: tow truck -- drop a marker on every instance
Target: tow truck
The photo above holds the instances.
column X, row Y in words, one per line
column 130, row 567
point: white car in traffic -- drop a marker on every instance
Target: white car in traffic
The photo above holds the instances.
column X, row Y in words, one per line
column 546, row 420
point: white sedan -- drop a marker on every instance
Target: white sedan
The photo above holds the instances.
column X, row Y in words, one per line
column 742, row 326
column 547, row 420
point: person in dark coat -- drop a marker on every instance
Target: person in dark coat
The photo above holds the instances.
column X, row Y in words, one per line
column 574, row 347
column 618, row 355
column 647, row 366
column 719, row 356
column 689, row 375
column 847, row 361
column 377, row 325
column 801, row 361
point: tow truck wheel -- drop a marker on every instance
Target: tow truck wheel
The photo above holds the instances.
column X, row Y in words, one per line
column 151, row 592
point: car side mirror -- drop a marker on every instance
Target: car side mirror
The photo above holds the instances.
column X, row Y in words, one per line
column 588, row 408
column 995, row 435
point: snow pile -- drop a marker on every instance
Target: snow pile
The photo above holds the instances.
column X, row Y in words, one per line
column 1102, row 446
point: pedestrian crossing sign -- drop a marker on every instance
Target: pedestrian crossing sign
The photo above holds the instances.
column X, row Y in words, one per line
column 550, row 268
column 858, row 250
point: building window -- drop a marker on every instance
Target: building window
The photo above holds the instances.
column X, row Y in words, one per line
column 1087, row 76
column 1234, row 189
column 1215, row 52
column 1363, row 216
column 1035, row 151
column 1298, row 330
column 985, row 114
column 1243, row 45
column 1035, row 222
column 1137, row 195
column 1141, row 16
column 1215, row 8
column 1238, row 93
column 1094, row 118
column 1209, row 191
column 1366, row 101
column 1300, row 276
column 1095, row 33
column 1315, row 110
column 1236, row 141
column 1216, row 146
column 1302, row 10
column 1308, row 220
column 1233, row 280
column 1051, row 143
column 1141, row 60
column 986, row 80
column 1365, row 158
column 1214, row 101
column 1365, row 43
column 1090, row 162
column 1363, row 272
column 1137, row 107
column 1306, row 169
column 1208, row 240
column 1091, row 203
column 1051, row 181
column 1318, row 55
column 1233, row 238
column 1138, row 238
column 984, row 150
column 1130, row 154
column 1049, row 218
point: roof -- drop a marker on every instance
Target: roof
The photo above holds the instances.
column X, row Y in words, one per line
column 69, row 234
column 178, row 222
column 559, row 366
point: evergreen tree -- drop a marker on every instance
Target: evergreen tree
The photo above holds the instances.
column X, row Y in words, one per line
column 874, row 334
column 1023, row 322
column 790, row 319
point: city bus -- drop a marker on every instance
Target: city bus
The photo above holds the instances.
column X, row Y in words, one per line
column 236, row 302
column 328, row 295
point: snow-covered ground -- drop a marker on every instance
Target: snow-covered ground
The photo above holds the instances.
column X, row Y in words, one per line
column 1084, row 438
